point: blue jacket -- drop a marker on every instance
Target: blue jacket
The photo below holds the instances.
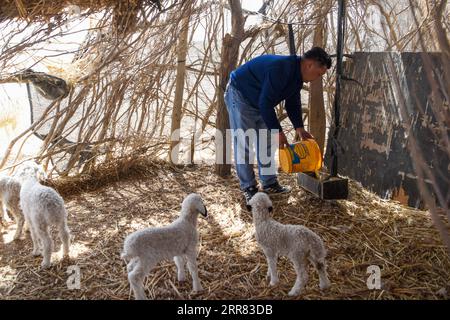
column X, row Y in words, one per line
column 267, row 80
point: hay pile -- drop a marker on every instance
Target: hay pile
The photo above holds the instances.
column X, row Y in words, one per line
column 44, row 10
column 359, row 232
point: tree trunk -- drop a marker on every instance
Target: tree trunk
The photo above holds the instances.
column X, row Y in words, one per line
column 179, row 90
column 317, row 119
column 229, row 58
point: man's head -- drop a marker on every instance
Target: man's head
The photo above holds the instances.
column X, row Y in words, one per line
column 314, row 64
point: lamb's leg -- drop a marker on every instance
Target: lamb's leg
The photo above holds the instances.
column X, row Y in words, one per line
column 20, row 221
column 26, row 226
column 8, row 215
column 47, row 245
column 136, row 277
column 64, row 235
column 271, row 257
column 321, row 267
column 34, row 239
column 1, row 218
column 193, row 270
column 179, row 262
column 3, row 215
column 302, row 275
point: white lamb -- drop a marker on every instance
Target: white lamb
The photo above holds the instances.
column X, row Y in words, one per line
column 143, row 249
column 42, row 207
column 10, row 195
column 9, row 201
column 298, row 243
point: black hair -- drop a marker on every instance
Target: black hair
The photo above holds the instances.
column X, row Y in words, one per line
column 319, row 55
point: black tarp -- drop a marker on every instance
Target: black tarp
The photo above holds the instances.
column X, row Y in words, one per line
column 373, row 134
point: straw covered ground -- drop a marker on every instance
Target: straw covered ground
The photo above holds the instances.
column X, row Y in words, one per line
column 104, row 208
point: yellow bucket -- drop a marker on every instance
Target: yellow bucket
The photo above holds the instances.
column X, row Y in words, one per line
column 303, row 156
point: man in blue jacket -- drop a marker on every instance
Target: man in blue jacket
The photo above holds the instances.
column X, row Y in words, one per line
column 253, row 92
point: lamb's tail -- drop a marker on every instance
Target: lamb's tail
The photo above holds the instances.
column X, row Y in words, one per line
column 133, row 261
column 127, row 251
column 130, row 259
column 126, row 256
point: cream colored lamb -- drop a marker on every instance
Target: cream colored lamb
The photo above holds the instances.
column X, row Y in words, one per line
column 143, row 249
column 9, row 201
column 10, row 194
column 298, row 243
column 42, row 208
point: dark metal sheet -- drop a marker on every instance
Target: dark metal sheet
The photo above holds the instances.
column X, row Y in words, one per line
column 373, row 135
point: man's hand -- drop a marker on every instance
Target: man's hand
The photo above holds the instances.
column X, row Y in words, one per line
column 303, row 134
column 282, row 140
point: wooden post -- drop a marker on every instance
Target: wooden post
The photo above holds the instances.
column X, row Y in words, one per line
column 317, row 119
column 229, row 58
column 179, row 89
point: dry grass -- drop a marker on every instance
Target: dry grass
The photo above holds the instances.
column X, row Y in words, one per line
column 45, row 9
column 359, row 232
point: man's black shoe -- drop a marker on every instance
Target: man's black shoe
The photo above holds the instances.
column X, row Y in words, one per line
column 276, row 188
column 248, row 194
